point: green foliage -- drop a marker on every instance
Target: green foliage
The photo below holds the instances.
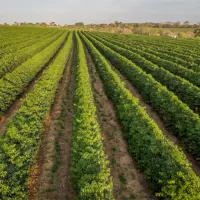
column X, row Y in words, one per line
column 186, row 91
column 164, row 165
column 154, row 49
column 13, row 84
column 178, row 117
column 10, row 61
column 179, row 51
column 79, row 24
column 23, row 39
column 90, row 172
column 177, row 69
column 19, row 144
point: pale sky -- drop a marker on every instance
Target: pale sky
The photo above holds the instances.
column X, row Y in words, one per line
column 99, row 11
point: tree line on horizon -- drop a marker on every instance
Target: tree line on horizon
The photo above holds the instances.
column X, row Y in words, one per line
column 170, row 29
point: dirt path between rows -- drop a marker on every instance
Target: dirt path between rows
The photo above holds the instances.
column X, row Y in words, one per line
column 9, row 114
column 128, row 182
column 58, row 127
column 157, row 119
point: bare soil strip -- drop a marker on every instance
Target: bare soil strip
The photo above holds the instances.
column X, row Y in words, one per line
column 17, row 103
column 57, row 186
column 157, row 119
column 128, row 182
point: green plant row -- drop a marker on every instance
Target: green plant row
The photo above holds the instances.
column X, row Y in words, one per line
column 90, row 173
column 16, row 35
column 186, row 52
column 168, row 55
column 185, row 90
column 154, row 50
column 176, row 50
column 9, row 62
column 174, row 68
column 178, row 117
column 163, row 55
column 186, row 48
column 180, row 58
column 7, row 45
column 25, row 42
column 21, row 140
column 13, row 84
column 164, row 165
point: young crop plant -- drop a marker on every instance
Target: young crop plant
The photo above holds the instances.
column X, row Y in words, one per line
column 178, row 117
column 90, row 173
column 20, row 143
column 186, row 91
column 14, row 83
column 13, row 60
column 164, row 165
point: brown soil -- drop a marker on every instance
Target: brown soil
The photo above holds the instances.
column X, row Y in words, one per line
column 128, row 182
column 9, row 114
column 153, row 115
column 57, row 186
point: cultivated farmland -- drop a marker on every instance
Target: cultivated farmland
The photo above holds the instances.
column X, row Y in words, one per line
column 98, row 116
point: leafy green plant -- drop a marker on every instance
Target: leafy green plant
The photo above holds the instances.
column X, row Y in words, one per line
column 186, row 91
column 178, row 117
column 14, row 83
column 19, row 144
column 13, row 60
column 90, row 173
column 164, row 165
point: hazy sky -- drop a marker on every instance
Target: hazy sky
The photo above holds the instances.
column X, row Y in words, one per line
column 99, row 11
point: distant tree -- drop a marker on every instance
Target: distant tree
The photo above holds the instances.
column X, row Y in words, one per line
column 118, row 23
column 23, row 23
column 43, row 24
column 177, row 24
column 111, row 24
column 79, row 24
column 186, row 23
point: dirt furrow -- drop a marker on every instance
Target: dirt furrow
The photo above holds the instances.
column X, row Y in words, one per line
column 54, row 160
column 8, row 115
column 128, row 182
column 157, row 119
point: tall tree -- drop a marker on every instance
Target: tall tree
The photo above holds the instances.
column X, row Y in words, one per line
column 79, row 24
column 186, row 23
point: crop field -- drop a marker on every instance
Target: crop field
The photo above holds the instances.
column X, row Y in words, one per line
column 98, row 116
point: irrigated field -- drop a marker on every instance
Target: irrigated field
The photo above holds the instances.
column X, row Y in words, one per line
column 98, row 116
